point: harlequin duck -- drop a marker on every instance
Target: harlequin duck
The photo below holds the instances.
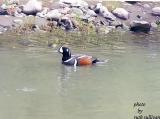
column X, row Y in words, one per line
column 76, row 60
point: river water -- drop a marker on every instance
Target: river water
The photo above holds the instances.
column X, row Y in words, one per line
column 35, row 85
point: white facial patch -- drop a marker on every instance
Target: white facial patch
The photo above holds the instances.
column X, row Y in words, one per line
column 61, row 50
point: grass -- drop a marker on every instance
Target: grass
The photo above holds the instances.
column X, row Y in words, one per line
column 27, row 26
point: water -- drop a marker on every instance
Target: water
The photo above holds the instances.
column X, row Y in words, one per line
column 35, row 85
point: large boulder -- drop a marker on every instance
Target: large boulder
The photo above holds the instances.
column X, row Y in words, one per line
column 53, row 15
column 32, row 7
column 121, row 13
column 156, row 11
column 77, row 11
column 140, row 26
column 75, row 3
column 103, row 11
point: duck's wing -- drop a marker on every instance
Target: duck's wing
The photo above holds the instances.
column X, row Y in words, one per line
column 71, row 61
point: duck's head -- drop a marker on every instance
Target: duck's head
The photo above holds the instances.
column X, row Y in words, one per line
column 66, row 52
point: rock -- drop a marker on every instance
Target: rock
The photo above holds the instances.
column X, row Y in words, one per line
column 116, row 24
column 140, row 26
column 18, row 21
column 139, row 17
column 65, row 10
column 66, row 23
column 4, row 7
column 103, row 11
column 131, row 2
column 154, row 25
column 2, row 29
column 91, row 13
column 75, row 3
column 109, row 16
column 20, row 15
column 147, row 6
column 13, row 2
column 91, row 7
column 99, row 8
column 43, row 13
column 77, row 11
column 3, row 12
column 54, row 15
column 121, row 13
column 156, row 11
column 125, row 27
column 32, row 7
column 88, row 19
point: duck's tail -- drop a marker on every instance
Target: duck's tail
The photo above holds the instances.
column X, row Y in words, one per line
column 99, row 61
column 95, row 61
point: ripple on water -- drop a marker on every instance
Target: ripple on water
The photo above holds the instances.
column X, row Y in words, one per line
column 26, row 89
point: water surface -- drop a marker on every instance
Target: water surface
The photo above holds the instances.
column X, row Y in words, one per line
column 35, row 85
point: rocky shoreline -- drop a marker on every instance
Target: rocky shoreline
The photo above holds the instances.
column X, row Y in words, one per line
column 78, row 16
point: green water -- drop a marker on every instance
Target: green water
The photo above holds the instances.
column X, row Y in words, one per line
column 35, row 85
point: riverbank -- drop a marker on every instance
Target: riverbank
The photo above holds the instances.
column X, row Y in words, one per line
column 67, row 19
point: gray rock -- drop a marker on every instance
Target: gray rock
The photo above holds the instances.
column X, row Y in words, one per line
column 154, row 25
column 125, row 27
column 75, row 3
column 88, row 18
column 4, row 7
column 20, row 15
column 121, row 13
column 66, row 23
column 116, row 24
column 91, row 13
column 109, row 15
column 32, row 7
column 43, row 13
column 156, row 11
column 18, row 21
column 2, row 29
column 53, row 14
column 65, row 10
column 13, row 2
column 3, row 11
column 77, row 11
column 147, row 6
column 103, row 11
column 91, row 7
column 140, row 26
